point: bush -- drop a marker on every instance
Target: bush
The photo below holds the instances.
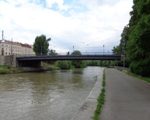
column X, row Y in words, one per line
column 4, row 70
column 77, row 63
column 141, row 67
column 64, row 64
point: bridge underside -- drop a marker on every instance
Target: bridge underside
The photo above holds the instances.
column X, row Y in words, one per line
column 32, row 64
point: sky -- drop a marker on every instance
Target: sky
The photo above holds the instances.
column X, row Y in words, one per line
column 85, row 25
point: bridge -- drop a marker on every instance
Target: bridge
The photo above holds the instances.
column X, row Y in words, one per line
column 35, row 61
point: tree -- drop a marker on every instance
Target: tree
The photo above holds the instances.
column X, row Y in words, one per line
column 117, row 50
column 76, row 53
column 41, row 45
column 121, row 48
column 52, row 52
column 137, row 38
column 77, row 63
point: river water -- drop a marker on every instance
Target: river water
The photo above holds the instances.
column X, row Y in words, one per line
column 55, row 95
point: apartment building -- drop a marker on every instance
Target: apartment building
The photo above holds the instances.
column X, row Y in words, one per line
column 15, row 48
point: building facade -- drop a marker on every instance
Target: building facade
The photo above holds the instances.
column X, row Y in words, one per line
column 15, row 48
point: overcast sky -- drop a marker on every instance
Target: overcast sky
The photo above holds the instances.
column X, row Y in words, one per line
column 85, row 24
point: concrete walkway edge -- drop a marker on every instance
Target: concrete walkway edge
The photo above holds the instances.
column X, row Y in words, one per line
column 88, row 107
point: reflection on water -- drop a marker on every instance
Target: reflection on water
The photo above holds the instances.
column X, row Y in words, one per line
column 55, row 95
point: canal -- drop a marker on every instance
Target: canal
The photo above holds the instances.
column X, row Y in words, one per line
column 54, row 95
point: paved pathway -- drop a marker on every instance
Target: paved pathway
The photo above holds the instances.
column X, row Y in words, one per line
column 126, row 97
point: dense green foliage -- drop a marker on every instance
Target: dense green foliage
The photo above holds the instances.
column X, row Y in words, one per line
column 147, row 79
column 7, row 69
column 4, row 69
column 121, row 48
column 41, row 45
column 135, row 39
column 73, row 64
column 104, row 63
column 64, row 64
column 117, row 50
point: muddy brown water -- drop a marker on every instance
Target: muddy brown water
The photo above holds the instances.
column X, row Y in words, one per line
column 55, row 95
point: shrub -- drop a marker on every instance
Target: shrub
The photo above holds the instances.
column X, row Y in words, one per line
column 64, row 64
column 4, row 70
column 141, row 67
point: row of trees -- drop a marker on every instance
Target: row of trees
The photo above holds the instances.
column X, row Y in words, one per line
column 82, row 64
column 135, row 39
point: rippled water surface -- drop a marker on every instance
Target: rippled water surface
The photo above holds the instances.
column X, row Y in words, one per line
column 55, row 95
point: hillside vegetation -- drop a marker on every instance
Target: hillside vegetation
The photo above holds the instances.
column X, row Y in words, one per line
column 135, row 39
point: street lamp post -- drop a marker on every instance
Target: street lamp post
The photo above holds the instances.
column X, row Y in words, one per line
column 103, row 49
column 73, row 48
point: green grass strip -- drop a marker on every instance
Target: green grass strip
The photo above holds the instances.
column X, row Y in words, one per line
column 100, row 100
column 147, row 79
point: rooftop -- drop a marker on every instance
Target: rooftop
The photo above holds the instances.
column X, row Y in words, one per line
column 16, row 43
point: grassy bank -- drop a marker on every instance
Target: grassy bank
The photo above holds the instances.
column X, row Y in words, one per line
column 147, row 79
column 127, row 71
column 100, row 100
column 8, row 70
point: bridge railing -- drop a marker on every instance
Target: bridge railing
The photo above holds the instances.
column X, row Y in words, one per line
column 89, row 53
column 97, row 53
column 63, row 54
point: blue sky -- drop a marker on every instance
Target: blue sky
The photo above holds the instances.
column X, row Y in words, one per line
column 85, row 24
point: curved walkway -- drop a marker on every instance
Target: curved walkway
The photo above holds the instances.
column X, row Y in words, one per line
column 127, row 98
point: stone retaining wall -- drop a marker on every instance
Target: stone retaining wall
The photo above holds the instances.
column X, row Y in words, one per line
column 2, row 60
column 8, row 60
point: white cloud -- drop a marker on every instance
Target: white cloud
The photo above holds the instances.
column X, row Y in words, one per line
column 100, row 24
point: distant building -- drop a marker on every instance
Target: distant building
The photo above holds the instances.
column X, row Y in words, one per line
column 15, row 48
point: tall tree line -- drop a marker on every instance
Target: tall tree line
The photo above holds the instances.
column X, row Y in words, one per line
column 135, row 38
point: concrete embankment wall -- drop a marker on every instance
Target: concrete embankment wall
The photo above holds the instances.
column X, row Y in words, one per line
column 2, row 60
column 88, row 108
column 8, row 60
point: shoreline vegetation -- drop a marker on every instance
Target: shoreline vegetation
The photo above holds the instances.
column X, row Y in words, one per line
column 67, row 65
column 9, row 70
column 146, row 79
column 128, row 72
column 100, row 100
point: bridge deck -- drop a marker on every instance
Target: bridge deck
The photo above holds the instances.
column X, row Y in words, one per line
column 69, row 57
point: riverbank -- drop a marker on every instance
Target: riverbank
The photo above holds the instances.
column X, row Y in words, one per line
column 9, row 70
column 88, row 107
column 147, row 79
column 128, row 72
